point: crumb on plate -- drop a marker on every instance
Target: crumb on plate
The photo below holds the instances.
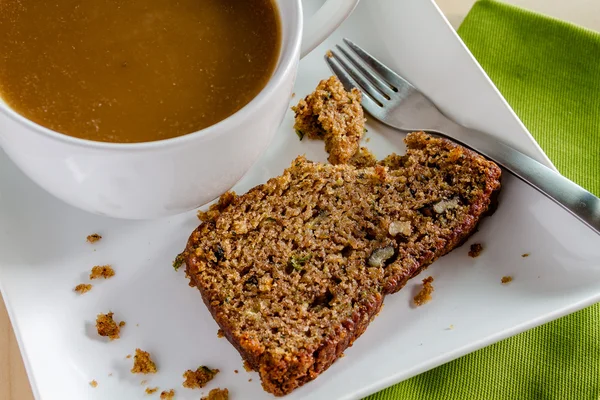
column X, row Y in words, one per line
column 102, row 271
column 220, row 333
column 525, row 255
column 451, row 327
column 93, row 238
column 82, row 288
column 217, row 394
column 150, row 390
column 424, row 295
column 476, row 249
column 199, row 378
column 334, row 115
column 142, row 363
column 93, row 384
column 167, row 394
column 128, row 356
column 121, row 324
column 506, row 279
column 329, row 54
column 236, row 371
column 106, row 326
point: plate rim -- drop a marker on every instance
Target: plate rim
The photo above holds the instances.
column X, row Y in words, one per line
column 393, row 379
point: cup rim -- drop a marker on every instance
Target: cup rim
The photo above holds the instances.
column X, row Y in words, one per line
column 287, row 56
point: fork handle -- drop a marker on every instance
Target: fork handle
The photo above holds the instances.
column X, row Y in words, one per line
column 572, row 197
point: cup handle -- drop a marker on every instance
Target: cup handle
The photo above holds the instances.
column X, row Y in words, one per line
column 322, row 24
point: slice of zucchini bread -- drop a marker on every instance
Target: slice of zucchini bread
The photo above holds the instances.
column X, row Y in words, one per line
column 294, row 270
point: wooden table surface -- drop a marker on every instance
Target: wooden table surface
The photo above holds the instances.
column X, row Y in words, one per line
column 14, row 384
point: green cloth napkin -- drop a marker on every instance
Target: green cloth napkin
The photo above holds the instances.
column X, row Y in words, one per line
column 549, row 72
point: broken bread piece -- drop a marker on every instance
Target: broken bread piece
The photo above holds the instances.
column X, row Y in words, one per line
column 334, row 115
column 294, row 270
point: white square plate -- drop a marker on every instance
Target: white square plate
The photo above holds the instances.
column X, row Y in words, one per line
column 43, row 254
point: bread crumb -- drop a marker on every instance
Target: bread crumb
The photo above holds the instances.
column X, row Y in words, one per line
column 102, row 271
column 121, row 324
column 220, row 333
column 93, row 384
column 93, row 238
column 178, row 261
column 476, row 249
column 293, row 95
column 199, row 378
column 217, row 394
column 329, row 54
column 236, row 371
column 128, row 356
column 334, row 115
column 506, row 279
column 167, row 395
column 424, row 295
column 525, row 255
column 363, row 158
column 247, row 366
column 151, row 390
column 250, row 380
column 142, row 363
column 82, row 288
column 215, row 210
column 106, row 326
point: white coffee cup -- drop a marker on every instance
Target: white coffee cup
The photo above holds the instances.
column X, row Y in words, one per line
column 156, row 179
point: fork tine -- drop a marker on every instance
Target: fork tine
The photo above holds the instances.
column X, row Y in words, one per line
column 363, row 84
column 390, row 76
column 379, row 84
column 367, row 102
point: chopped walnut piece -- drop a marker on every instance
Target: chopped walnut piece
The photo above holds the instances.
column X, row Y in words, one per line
column 424, row 295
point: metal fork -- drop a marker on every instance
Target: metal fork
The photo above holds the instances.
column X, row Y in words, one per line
column 394, row 101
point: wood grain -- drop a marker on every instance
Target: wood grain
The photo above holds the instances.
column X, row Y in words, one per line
column 14, row 384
